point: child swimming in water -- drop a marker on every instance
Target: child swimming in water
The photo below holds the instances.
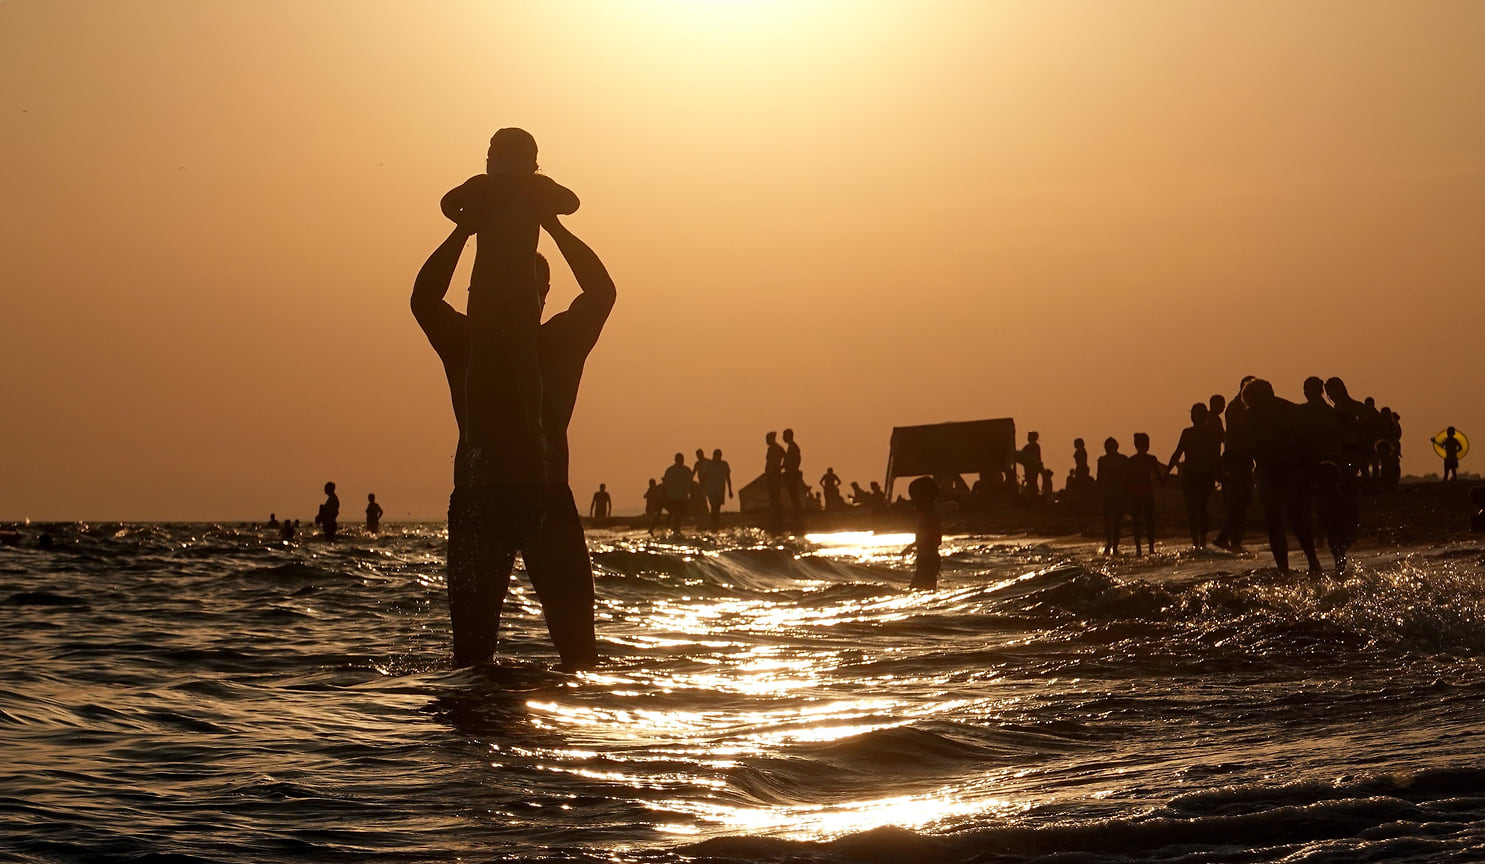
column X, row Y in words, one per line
column 503, row 208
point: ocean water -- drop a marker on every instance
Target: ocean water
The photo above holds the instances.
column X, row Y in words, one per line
column 182, row 693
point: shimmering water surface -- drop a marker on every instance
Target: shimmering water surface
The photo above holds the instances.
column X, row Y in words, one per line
column 202, row 693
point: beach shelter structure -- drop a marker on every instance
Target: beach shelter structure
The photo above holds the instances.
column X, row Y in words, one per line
column 937, row 449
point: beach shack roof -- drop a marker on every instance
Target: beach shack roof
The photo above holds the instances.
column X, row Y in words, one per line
column 968, row 447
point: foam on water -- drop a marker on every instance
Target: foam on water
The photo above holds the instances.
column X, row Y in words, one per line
column 205, row 693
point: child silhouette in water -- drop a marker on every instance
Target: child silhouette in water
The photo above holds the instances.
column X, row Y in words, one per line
column 924, row 492
column 504, row 207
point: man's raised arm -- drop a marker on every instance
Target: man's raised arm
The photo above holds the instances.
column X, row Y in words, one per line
column 433, row 279
column 592, row 277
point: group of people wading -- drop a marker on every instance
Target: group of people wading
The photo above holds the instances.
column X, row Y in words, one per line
column 513, row 382
column 1304, row 461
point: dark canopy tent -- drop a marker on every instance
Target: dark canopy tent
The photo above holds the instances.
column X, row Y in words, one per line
column 970, row 447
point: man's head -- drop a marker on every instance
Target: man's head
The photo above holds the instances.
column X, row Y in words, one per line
column 717, row 455
column 1111, row 445
column 603, row 488
column 329, row 487
column 680, row 459
column 771, row 437
column 1217, row 403
column 1198, row 413
column 700, row 453
column 1141, row 442
column 512, row 151
column 1257, row 393
column 371, row 496
column 1314, row 389
column 789, row 436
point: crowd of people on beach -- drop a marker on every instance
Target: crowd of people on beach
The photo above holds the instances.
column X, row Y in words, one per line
column 1305, row 463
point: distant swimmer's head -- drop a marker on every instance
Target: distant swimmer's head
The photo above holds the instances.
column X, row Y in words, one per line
column 1257, row 392
column 1142, row 442
column 512, row 151
column 1111, row 445
column 923, row 490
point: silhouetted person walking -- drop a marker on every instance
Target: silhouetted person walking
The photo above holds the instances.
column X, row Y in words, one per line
column 1237, row 472
column 329, row 513
column 1284, row 459
column 602, row 504
column 1145, row 472
column 373, row 514
column 677, row 483
column 717, row 482
column 830, row 490
column 1198, row 452
column 487, row 526
column 1113, row 493
column 654, row 503
column 1451, row 447
column 773, row 480
column 793, row 479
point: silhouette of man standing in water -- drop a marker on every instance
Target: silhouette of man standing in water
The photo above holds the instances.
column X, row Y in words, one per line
column 773, row 479
column 1284, row 455
column 483, row 540
column 329, row 512
column 793, row 479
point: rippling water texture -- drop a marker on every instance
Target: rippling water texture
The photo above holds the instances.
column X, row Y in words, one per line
column 199, row 693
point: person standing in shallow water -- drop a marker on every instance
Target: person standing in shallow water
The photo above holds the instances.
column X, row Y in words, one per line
column 601, row 505
column 717, row 482
column 1451, row 447
column 373, row 514
column 1284, row 457
column 329, row 513
column 1113, row 493
column 1201, row 449
column 793, row 479
column 773, row 480
column 483, row 535
column 923, row 492
column 1145, row 472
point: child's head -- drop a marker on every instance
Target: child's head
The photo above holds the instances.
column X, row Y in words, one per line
column 1111, row 445
column 1141, row 442
column 1077, row 443
column 512, row 151
column 371, row 496
column 923, row 491
column 1450, row 431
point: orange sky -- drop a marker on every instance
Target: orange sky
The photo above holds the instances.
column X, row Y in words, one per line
column 837, row 216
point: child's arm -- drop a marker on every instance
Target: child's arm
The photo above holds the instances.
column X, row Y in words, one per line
column 458, row 204
column 552, row 197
